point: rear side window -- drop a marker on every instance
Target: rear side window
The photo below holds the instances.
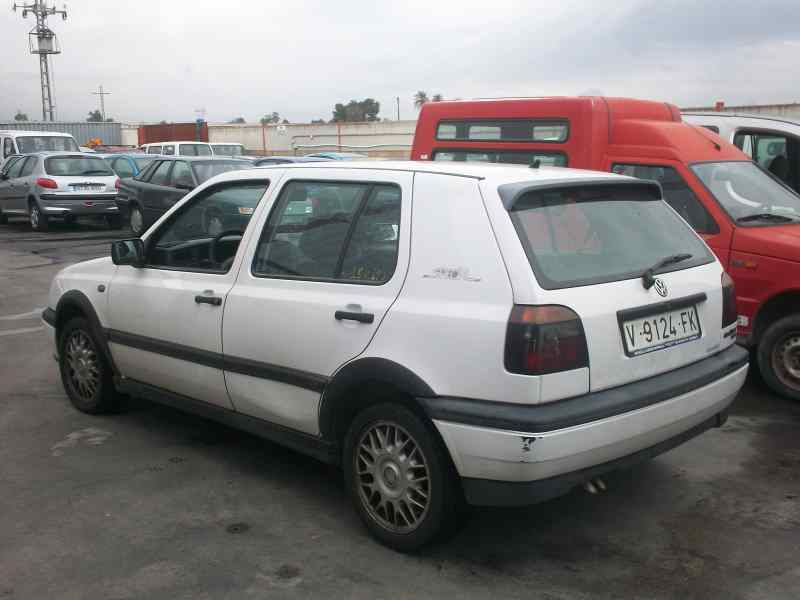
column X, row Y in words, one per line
column 28, row 167
column 8, row 147
column 46, row 143
column 677, row 193
column 122, row 167
column 76, row 166
column 154, row 150
column 161, row 174
column 512, row 157
column 332, row 231
column 596, row 234
column 169, row 150
column 505, row 130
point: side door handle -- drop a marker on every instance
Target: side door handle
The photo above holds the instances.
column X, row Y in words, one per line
column 212, row 300
column 361, row 317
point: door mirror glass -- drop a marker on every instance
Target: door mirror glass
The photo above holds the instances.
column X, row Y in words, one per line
column 128, row 252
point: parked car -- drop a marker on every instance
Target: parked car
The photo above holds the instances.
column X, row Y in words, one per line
column 144, row 198
column 567, row 324
column 178, row 148
column 338, row 155
column 129, row 165
column 64, row 185
column 749, row 219
column 15, row 141
column 284, row 160
column 773, row 143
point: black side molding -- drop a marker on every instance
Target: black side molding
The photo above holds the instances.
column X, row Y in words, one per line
column 588, row 407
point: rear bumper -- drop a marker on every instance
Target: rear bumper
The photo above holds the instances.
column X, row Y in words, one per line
column 522, row 454
column 56, row 205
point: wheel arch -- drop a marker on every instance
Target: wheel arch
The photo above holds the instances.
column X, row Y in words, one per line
column 778, row 306
column 76, row 304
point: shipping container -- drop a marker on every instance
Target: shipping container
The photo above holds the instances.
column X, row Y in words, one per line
column 173, row 132
column 107, row 133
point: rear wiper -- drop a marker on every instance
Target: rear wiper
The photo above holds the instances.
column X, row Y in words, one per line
column 765, row 217
column 648, row 277
column 95, row 172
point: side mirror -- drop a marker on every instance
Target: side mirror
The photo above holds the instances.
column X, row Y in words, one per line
column 128, row 252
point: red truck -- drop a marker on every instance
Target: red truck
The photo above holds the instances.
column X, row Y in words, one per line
column 746, row 215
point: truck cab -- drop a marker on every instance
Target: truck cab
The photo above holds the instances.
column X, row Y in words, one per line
column 747, row 214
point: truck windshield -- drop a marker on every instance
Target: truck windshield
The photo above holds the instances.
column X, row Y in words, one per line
column 46, row 143
column 748, row 194
column 596, row 234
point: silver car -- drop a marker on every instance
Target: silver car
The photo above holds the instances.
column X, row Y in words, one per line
column 64, row 185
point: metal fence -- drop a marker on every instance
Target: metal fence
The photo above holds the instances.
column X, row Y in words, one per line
column 108, row 133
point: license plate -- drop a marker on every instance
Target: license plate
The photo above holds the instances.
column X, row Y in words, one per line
column 660, row 330
column 87, row 187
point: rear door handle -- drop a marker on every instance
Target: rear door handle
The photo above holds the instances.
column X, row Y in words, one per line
column 212, row 300
column 343, row 315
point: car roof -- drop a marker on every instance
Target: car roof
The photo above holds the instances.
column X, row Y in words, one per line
column 295, row 159
column 46, row 153
column 13, row 132
column 204, row 158
column 175, row 142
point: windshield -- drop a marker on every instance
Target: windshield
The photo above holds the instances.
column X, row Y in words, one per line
column 207, row 170
column 76, row 166
column 596, row 234
column 44, row 143
column 227, row 149
column 747, row 192
column 194, row 150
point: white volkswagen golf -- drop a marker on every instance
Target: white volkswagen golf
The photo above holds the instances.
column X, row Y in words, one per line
column 446, row 333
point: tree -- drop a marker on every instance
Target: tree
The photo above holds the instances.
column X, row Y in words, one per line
column 285, row 121
column 20, row 116
column 95, row 117
column 318, row 122
column 270, row 118
column 437, row 98
column 237, row 120
column 420, row 98
column 355, row 111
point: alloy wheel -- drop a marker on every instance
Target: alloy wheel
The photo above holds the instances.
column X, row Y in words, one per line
column 35, row 216
column 393, row 478
column 83, row 365
column 786, row 360
column 136, row 221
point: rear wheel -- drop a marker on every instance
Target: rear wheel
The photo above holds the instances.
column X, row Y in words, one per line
column 136, row 220
column 85, row 373
column 779, row 356
column 39, row 220
column 399, row 477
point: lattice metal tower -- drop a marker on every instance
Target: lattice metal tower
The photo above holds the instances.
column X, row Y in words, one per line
column 44, row 42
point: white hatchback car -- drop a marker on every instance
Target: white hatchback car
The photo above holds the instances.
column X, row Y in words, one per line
column 443, row 332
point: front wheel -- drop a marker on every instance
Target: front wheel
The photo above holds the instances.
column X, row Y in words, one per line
column 39, row 220
column 779, row 356
column 399, row 477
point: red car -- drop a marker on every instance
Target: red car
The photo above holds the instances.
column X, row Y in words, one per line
column 749, row 217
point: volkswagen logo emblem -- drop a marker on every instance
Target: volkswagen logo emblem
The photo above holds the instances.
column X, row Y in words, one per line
column 661, row 287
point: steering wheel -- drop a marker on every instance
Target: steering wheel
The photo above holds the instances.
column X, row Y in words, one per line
column 212, row 249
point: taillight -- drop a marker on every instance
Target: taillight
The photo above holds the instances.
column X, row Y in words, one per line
column 116, row 183
column 729, row 312
column 47, row 183
column 544, row 339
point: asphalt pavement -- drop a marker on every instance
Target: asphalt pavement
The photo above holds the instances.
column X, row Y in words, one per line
column 152, row 503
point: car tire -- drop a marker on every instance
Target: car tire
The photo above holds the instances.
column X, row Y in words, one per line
column 85, row 372
column 114, row 221
column 408, row 495
column 136, row 220
column 779, row 356
column 39, row 221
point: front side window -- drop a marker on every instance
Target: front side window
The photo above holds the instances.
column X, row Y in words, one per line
column 10, row 163
column 205, row 234
column 161, row 174
column 333, row 231
column 76, row 166
column 182, row 175
column 749, row 194
column 505, row 130
column 677, row 193
column 29, row 144
column 595, row 234
column 28, row 167
column 511, row 157
column 205, row 170
column 143, row 161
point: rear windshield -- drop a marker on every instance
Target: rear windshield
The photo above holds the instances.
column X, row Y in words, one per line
column 596, row 234
column 194, row 150
column 228, row 149
column 46, row 143
column 512, row 157
column 76, row 166
column 748, row 194
column 206, row 170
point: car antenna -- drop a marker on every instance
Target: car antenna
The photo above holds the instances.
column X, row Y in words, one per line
column 535, row 164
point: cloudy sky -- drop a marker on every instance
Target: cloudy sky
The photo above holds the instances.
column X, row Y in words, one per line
column 165, row 59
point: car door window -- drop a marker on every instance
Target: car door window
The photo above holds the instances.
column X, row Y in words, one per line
column 169, row 150
column 154, row 150
column 182, row 175
column 339, row 231
column 122, row 167
column 28, row 167
column 15, row 169
column 190, row 240
column 161, row 175
column 677, row 193
column 8, row 147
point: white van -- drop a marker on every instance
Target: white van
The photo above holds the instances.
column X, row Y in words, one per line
column 178, row 148
column 771, row 142
column 14, row 141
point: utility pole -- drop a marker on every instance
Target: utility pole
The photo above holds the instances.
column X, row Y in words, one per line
column 102, row 95
column 398, row 108
column 43, row 41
